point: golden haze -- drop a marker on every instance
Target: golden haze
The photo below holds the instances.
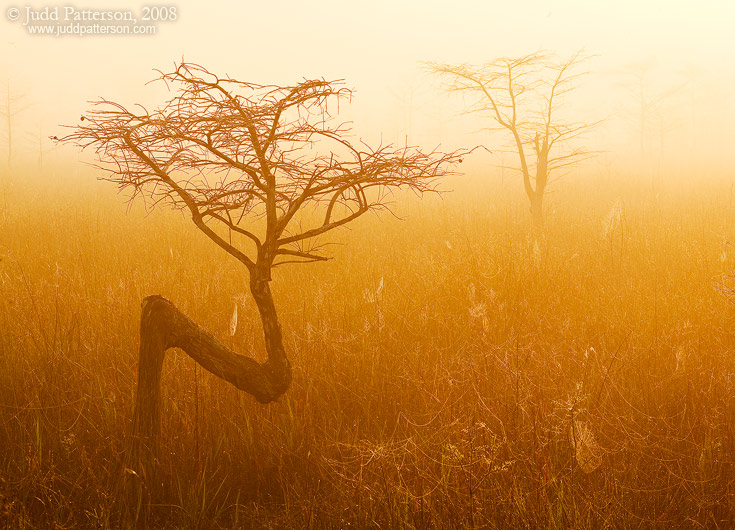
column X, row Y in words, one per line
column 450, row 371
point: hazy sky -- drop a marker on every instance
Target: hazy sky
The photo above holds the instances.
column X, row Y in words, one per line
column 376, row 46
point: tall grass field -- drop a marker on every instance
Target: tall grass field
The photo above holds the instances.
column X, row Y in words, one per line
column 449, row 370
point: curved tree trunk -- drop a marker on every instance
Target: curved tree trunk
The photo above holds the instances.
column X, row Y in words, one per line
column 163, row 326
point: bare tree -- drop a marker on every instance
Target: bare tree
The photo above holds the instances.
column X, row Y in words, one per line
column 41, row 140
column 264, row 172
column 522, row 97
column 651, row 108
column 13, row 105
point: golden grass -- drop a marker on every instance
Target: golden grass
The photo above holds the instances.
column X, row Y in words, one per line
column 448, row 373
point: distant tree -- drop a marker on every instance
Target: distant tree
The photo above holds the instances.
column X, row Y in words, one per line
column 12, row 106
column 651, row 109
column 42, row 142
column 523, row 97
column 263, row 171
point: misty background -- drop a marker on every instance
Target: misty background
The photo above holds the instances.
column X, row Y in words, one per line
column 670, row 60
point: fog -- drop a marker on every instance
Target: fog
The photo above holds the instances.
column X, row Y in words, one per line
column 685, row 54
column 256, row 342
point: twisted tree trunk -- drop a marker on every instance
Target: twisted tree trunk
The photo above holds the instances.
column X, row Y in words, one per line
column 163, row 326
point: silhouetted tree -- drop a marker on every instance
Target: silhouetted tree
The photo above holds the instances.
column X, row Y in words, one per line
column 522, row 97
column 263, row 171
